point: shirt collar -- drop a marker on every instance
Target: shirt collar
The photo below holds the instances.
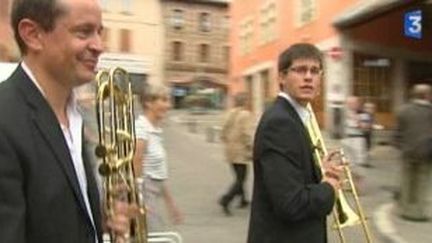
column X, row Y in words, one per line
column 302, row 111
column 72, row 103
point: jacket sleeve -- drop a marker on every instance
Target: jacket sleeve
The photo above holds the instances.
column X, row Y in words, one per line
column 282, row 161
column 12, row 201
column 397, row 134
column 246, row 122
column 224, row 131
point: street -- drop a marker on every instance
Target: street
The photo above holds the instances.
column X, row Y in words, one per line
column 199, row 175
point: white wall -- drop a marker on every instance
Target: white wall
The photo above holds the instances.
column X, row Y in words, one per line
column 146, row 25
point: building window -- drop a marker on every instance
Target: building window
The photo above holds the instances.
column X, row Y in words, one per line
column 226, row 54
column 225, row 21
column 204, row 22
column 177, row 48
column 268, row 22
column 246, row 35
column 125, row 40
column 177, row 20
column 306, row 11
column 372, row 80
column 204, row 52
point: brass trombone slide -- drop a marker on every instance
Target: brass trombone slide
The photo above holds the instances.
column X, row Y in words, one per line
column 115, row 117
column 116, row 127
column 343, row 214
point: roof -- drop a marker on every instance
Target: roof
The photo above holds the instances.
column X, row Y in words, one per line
column 364, row 10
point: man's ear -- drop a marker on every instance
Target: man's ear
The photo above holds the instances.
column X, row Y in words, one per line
column 280, row 79
column 31, row 33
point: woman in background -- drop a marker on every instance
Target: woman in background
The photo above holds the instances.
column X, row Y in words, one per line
column 150, row 157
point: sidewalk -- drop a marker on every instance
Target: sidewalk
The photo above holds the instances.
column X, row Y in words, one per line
column 383, row 179
column 392, row 227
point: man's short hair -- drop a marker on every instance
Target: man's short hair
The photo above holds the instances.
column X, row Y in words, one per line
column 421, row 91
column 298, row 51
column 43, row 12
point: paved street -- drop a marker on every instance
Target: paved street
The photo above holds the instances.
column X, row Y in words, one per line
column 199, row 175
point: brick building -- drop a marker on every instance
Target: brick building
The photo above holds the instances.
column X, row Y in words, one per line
column 196, row 48
column 366, row 51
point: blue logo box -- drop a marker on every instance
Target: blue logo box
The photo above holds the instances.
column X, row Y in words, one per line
column 413, row 24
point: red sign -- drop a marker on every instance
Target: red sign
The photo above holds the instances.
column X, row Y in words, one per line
column 335, row 53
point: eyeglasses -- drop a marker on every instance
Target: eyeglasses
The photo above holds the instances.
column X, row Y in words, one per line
column 302, row 70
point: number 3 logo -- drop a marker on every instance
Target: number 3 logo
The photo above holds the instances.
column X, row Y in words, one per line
column 413, row 24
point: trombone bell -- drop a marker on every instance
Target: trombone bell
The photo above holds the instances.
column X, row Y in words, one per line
column 347, row 216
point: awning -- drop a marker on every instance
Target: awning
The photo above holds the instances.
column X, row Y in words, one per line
column 366, row 20
column 180, row 80
column 192, row 79
column 365, row 10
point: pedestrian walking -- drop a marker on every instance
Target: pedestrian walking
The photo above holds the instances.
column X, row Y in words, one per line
column 413, row 136
column 150, row 160
column 367, row 119
column 354, row 142
column 237, row 133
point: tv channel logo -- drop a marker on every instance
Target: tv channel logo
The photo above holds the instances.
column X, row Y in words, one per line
column 413, row 24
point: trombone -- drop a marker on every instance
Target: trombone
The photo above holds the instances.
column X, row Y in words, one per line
column 115, row 118
column 116, row 148
column 343, row 215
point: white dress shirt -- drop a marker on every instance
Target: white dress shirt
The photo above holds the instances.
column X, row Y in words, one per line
column 73, row 137
column 302, row 111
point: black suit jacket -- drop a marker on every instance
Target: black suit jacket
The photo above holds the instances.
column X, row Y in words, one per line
column 40, row 198
column 289, row 202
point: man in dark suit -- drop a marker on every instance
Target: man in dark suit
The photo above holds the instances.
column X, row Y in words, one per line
column 413, row 136
column 48, row 193
column 291, row 198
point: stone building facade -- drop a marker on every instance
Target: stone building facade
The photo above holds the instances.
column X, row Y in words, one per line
column 196, row 48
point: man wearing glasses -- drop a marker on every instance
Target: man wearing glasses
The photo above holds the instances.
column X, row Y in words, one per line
column 291, row 198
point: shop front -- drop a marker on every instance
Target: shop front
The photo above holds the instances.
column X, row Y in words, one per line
column 381, row 60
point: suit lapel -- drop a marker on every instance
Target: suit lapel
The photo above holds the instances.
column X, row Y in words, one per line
column 316, row 173
column 315, row 166
column 47, row 123
column 92, row 188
